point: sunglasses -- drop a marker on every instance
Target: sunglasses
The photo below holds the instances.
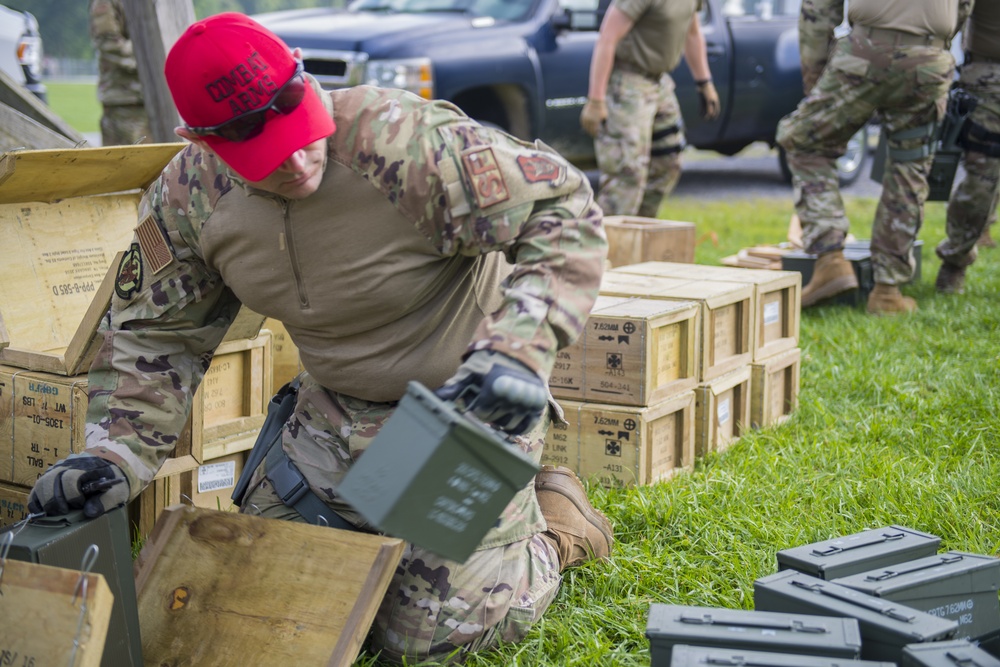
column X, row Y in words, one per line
column 250, row 124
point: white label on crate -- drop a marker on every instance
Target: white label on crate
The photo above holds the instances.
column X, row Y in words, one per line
column 772, row 312
column 723, row 411
column 215, row 476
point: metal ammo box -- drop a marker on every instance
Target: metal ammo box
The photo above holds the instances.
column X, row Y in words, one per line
column 435, row 476
column 957, row 653
column 692, row 656
column 62, row 541
column 671, row 625
column 869, row 549
column 886, row 626
column 956, row 585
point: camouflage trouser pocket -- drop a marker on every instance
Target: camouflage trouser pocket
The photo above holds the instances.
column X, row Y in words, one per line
column 850, row 64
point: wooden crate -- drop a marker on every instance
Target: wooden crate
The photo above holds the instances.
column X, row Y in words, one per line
column 633, row 239
column 775, row 320
column 146, row 509
column 231, row 402
column 722, row 411
column 43, row 415
column 13, row 504
column 726, row 307
column 618, row 446
column 774, row 388
column 43, row 419
column 633, row 352
column 286, row 364
column 211, row 484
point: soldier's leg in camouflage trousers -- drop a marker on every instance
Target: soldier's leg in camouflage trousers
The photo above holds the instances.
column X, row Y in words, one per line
column 973, row 204
column 665, row 150
column 434, row 608
column 622, row 146
column 124, row 125
column 814, row 136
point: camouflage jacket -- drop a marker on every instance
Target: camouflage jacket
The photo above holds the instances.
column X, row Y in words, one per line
column 118, row 73
column 817, row 21
column 454, row 199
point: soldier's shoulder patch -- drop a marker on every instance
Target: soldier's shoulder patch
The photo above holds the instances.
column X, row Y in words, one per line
column 129, row 278
column 155, row 247
column 542, row 169
column 487, row 180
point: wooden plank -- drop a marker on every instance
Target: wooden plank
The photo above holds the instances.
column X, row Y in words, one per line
column 154, row 27
column 270, row 592
column 55, row 624
column 20, row 99
column 52, row 175
column 20, row 132
column 13, row 504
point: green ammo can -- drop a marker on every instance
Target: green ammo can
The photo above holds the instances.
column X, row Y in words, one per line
column 886, row 626
column 693, row 656
column 62, row 541
column 957, row 653
column 669, row 626
column 435, row 476
column 860, row 552
column 956, row 585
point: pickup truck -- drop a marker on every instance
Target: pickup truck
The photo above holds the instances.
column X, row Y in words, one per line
column 523, row 65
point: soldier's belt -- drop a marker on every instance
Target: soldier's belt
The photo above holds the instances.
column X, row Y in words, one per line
column 899, row 38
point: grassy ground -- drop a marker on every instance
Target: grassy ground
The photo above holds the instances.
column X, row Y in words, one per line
column 76, row 103
column 897, row 424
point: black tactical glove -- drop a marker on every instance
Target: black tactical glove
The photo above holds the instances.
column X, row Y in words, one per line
column 80, row 481
column 499, row 390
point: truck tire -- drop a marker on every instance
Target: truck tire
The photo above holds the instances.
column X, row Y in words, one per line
column 849, row 166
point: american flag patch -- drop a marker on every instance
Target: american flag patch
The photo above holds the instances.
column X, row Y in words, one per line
column 155, row 250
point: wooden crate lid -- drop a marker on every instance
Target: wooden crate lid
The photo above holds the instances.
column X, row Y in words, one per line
column 224, row 588
column 51, row 175
column 637, row 222
column 714, row 273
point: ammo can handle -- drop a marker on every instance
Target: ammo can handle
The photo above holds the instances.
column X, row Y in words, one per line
column 743, row 662
column 889, row 574
column 859, row 600
column 962, row 659
column 793, row 626
column 833, row 549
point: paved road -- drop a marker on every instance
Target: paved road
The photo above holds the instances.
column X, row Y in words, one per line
column 751, row 174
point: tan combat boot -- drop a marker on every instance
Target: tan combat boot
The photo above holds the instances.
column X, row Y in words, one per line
column 950, row 279
column 985, row 239
column 888, row 300
column 831, row 276
column 578, row 532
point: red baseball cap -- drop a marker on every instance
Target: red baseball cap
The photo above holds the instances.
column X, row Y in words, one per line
column 227, row 66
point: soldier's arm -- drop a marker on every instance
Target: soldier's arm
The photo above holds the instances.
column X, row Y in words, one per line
column 528, row 202
column 168, row 315
column 817, row 21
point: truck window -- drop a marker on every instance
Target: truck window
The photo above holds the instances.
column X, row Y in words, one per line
column 762, row 9
column 508, row 10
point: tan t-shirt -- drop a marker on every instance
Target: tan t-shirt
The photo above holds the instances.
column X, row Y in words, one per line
column 984, row 30
column 656, row 41
column 920, row 17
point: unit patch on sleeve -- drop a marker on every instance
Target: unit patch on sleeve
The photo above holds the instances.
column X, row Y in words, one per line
column 154, row 244
column 539, row 168
column 484, row 173
column 129, row 278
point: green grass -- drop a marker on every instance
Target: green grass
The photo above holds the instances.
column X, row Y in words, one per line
column 76, row 103
column 897, row 424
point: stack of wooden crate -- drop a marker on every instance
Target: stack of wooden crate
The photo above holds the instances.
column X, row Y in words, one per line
column 65, row 217
column 739, row 363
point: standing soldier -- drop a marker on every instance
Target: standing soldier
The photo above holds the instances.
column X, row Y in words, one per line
column 632, row 111
column 974, row 202
column 895, row 62
column 816, row 21
column 124, row 120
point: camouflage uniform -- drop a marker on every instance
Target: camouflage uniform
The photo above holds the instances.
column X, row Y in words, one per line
column 124, row 120
column 452, row 199
column 907, row 85
column 973, row 203
column 817, row 20
column 638, row 150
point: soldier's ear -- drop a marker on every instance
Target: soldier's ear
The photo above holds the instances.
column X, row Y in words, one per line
column 188, row 135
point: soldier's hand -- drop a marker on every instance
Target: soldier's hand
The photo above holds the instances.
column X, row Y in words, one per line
column 80, row 481
column 499, row 390
column 710, row 105
column 594, row 113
